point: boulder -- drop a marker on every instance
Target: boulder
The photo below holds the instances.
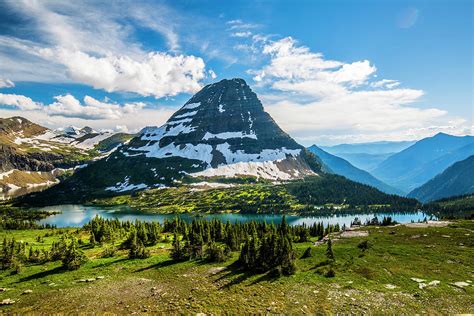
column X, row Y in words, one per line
column 7, row 301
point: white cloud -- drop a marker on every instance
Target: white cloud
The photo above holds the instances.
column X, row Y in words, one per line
column 68, row 106
column 241, row 25
column 92, row 109
column 212, row 74
column 121, row 128
column 5, row 83
column 98, row 48
column 241, row 34
column 319, row 100
column 291, row 62
column 385, row 83
column 134, row 121
column 19, row 101
column 156, row 74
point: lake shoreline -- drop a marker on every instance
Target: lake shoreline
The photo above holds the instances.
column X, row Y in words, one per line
column 78, row 215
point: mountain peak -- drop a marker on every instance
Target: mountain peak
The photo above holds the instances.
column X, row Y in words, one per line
column 226, row 120
column 441, row 134
column 223, row 130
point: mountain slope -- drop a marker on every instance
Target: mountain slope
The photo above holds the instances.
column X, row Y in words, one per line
column 367, row 156
column 383, row 147
column 33, row 156
column 223, row 131
column 342, row 167
column 420, row 162
column 456, row 180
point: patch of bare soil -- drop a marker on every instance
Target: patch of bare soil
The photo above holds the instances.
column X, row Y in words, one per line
column 428, row 224
column 354, row 233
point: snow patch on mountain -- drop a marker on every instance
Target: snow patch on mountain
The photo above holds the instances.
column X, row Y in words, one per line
column 188, row 114
column 126, row 186
column 264, row 155
column 90, row 143
column 266, row 170
column 166, row 130
column 200, row 152
column 227, row 135
column 191, row 106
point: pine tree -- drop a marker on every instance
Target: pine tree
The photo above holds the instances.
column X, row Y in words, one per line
column 178, row 252
column 74, row 257
column 288, row 266
column 329, row 253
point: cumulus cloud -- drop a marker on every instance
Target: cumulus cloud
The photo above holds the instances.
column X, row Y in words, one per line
column 5, row 83
column 68, row 106
column 291, row 62
column 97, row 48
column 92, row 109
column 19, row 101
column 156, row 74
column 323, row 100
column 134, row 122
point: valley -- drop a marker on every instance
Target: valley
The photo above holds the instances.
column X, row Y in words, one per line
column 424, row 269
column 220, row 202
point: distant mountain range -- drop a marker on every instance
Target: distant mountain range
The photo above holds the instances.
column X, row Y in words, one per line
column 34, row 156
column 456, row 180
column 344, row 168
column 383, row 147
column 420, row 162
column 367, row 156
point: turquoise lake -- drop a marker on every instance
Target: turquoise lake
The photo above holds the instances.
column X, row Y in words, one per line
column 78, row 215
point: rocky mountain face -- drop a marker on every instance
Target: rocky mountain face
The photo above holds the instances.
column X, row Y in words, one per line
column 456, row 180
column 222, row 131
column 32, row 155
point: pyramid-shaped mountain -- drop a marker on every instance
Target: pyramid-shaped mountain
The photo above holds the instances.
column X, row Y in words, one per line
column 223, row 130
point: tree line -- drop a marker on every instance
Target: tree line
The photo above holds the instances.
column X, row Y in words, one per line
column 260, row 246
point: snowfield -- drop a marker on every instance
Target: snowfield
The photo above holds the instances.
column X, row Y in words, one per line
column 266, row 170
column 228, row 135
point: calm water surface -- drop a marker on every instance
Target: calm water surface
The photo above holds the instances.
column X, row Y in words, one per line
column 78, row 215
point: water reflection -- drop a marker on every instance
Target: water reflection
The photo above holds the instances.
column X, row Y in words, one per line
column 78, row 215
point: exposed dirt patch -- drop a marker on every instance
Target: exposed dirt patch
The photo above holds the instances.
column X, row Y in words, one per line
column 428, row 224
column 354, row 233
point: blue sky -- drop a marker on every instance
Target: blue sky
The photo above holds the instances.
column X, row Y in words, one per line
column 327, row 71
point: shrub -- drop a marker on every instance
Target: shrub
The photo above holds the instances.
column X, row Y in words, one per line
column 216, row 253
column 363, row 245
column 307, row 253
column 330, row 273
column 108, row 252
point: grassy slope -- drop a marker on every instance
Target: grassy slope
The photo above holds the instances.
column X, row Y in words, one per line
column 159, row 285
column 260, row 197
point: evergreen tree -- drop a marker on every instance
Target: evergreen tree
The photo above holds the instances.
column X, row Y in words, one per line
column 178, row 252
column 329, row 253
column 74, row 257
